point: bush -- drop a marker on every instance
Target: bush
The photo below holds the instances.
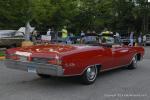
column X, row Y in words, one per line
column 2, row 53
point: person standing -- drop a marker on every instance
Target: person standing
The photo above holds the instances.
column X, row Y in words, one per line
column 131, row 38
column 69, row 39
column 144, row 40
column 48, row 36
column 88, row 32
column 140, row 39
column 49, row 32
column 34, row 36
column 64, row 32
column 82, row 34
column 93, row 32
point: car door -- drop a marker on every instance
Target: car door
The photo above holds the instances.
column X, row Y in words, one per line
column 120, row 55
column 107, row 60
column 129, row 53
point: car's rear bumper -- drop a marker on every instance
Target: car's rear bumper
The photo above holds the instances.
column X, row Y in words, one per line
column 46, row 69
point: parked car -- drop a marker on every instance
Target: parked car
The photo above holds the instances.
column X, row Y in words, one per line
column 126, row 40
column 6, row 33
column 146, row 41
column 13, row 41
column 85, row 60
column 8, row 38
column 12, row 38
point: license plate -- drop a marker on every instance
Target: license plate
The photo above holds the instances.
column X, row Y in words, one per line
column 23, row 58
column 31, row 69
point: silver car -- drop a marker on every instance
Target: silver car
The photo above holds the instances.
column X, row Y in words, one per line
column 9, row 38
column 146, row 39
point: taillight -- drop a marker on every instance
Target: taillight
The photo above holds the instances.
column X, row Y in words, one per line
column 55, row 61
column 12, row 56
column 29, row 58
column 7, row 55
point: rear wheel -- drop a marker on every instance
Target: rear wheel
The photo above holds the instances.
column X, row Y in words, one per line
column 43, row 76
column 89, row 75
column 133, row 64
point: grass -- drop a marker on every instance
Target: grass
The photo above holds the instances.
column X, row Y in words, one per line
column 2, row 53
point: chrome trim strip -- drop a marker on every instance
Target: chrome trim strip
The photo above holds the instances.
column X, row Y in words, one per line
column 61, row 71
column 48, row 69
column 118, row 66
column 82, row 71
column 113, row 68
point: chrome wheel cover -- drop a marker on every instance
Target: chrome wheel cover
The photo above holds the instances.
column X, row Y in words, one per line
column 91, row 73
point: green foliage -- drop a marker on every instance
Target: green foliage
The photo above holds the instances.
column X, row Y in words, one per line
column 2, row 53
column 75, row 14
column 13, row 13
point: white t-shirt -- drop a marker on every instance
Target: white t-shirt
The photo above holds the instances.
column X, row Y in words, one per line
column 144, row 38
column 48, row 33
column 139, row 39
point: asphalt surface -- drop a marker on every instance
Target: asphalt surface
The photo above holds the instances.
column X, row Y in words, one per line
column 120, row 84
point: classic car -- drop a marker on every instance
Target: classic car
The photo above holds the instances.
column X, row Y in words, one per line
column 85, row 60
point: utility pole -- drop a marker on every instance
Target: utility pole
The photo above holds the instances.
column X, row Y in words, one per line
column 148, row 11
column 146, row 17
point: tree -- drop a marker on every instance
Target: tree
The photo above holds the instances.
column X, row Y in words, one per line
column 14, row 13
column 75, row 14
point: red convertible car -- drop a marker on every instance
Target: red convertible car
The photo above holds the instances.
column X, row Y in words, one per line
column 95, row 54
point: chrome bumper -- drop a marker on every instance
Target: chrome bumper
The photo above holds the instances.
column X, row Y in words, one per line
column 46, row 69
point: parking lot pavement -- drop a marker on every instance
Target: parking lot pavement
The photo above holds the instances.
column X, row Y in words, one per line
column 147, row 52
column 120, row 84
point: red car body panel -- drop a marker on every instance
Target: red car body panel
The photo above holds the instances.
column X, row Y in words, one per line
column 76, row 59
